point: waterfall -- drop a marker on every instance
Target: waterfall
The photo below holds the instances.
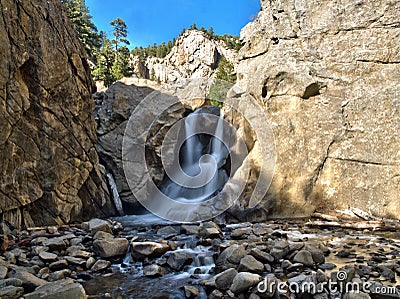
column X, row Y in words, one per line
column 115, row 195
column 205, row 154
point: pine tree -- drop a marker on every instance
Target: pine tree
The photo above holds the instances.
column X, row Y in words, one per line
column 105, row 63
column 120, row 33
column 83, row 24
column 226, row 71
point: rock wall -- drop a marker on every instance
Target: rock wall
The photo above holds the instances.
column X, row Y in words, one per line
column 49, row 165
column 327, row 74
column 193, row 56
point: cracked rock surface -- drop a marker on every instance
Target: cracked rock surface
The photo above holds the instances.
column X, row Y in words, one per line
column 327, row 74
column 49, row 165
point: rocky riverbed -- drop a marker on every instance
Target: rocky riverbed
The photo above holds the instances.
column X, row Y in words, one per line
column 145, row 257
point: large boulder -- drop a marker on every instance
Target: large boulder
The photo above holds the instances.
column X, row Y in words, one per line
column 327, row 76
column 50, row 172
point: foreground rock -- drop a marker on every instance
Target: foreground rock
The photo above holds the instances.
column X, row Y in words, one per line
column 64, row 289
column 111, row 247
column 50, row 170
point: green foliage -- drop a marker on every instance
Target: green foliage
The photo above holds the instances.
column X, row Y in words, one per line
column 105, row 63
column 226, row 71
column 120, row 33
column 159, row 51
column 112, row 65
column 218, row 92
column 83, row 24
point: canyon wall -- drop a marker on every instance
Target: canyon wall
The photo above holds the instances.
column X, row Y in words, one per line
column 327, row 74
column 49, row 165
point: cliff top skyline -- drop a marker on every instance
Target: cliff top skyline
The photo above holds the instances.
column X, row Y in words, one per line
column 159, row 21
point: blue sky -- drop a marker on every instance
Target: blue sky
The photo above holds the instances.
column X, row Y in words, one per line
column 155, row 21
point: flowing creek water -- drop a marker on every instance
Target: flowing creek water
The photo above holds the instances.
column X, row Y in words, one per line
column 346, row 247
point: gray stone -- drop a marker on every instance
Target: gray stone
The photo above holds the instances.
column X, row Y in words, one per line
column 11, row 292
column 262, row 256
column 95, row 225
column 243, row 281
column 58, row 265
column 3, row 272
column 230, row 257
column 47, row 256
column 249, row 264
column 140, row 250
column 63, row 289
column 177, row 260
column 100, row 265
column 191, row 291
column 102, row 235
column 107, row 248
column 58, row 275
column 154, row 271
column 304, row 257
column 224, row 280
column 29, row 281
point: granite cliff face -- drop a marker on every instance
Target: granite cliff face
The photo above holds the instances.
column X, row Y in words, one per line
column 194, row 55
column 327, row 74
column 49, row 165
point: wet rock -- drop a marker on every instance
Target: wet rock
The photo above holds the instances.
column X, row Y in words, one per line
column 140, row 250
column 95, row 225
column 317, row 254
column 107, row 248
column 249, row 264
column 58, row 265
column 55, row 244
column 224, row 279
column 78, row 251
column 216, row 294
column 76, row 241
column 47, row 256
column 3, row 272
column 240, row 232
column 209, row 230
column 90, row 262
column 191, row 291
column 344, row 253
column 243, row 281
column 62, row 289
column 304, row 257
column 29, row 281
column 230, row 257
column 262, row 256
column 321, row 276
column 100, row 265
column 280, row 250
column 356, row 295
column 177, row 260
column 11, row 292
column 327, row 266
column 75, row 261
column 102, row 235
column 388, row 274
column 58, row 275
column 154, row 271
column 167, row 232
column 190, row 229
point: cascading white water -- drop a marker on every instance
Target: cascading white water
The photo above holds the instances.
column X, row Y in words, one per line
column 197, row 157
column 115, row 194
